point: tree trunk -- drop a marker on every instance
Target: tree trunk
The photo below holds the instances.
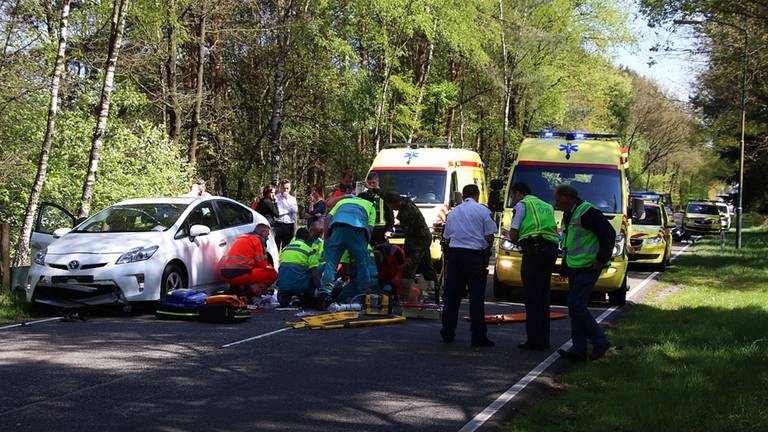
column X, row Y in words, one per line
column 278, row 96
column 423, row 84
column 195, row 129
column 380, row 109
column 507, row 95
column 22, row 247
column 119, row 11
column 454, row 73
column 174, row 129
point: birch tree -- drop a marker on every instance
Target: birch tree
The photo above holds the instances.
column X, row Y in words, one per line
column 22, row 246
column 119, row 12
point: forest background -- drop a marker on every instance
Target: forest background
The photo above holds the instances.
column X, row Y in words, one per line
column 106, row 100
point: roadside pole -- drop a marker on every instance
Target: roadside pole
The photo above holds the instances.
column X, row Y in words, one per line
column 5, row 256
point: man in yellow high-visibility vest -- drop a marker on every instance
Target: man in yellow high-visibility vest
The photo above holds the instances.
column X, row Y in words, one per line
column 535, row 230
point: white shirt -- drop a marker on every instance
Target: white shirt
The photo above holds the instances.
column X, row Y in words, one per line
column 519, row 216
column 286, row 209
column 468, row 224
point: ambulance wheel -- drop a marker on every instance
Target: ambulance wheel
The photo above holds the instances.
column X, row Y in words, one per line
column 173, row 278
column 618, row 297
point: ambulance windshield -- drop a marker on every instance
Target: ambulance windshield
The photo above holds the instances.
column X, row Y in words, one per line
column 599, row 186
column 421, row 186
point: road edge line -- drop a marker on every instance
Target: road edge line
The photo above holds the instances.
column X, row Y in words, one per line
column 29, row 323
column 252, row 338
column 506, row 397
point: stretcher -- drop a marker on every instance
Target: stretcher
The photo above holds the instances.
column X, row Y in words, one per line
column 430, row 311
column 345, row 319
column 515, row 317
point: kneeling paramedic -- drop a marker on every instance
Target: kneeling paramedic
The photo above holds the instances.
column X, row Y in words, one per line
column 298, row 274
column 348, row 227
column 245, row 267
column 535, row 230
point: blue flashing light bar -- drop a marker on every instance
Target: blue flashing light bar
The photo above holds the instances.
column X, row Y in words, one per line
column 571, row 136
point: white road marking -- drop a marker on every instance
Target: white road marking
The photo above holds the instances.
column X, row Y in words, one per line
column 24, row 324
column 534, row 373
column 256, row 337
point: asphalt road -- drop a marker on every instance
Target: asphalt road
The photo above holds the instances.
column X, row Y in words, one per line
column 137, row 373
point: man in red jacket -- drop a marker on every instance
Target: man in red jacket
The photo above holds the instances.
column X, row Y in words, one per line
column 246, row 267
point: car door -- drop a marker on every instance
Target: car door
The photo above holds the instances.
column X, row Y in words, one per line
column 236, row 220
column 50, row 217
column 201, row 254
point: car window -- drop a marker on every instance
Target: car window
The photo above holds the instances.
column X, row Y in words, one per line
column 652, row 217
column 203, row 214
column 51, row 218
column 233, row 214
column 133, row 218
column 708, row 209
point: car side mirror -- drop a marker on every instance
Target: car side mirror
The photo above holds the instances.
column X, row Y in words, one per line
column 638, row 208
column 497, row 184
column 198, row 230
column 61, row 232
column 456, row 198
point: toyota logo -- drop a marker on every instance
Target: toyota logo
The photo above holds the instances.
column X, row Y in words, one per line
column 74, row 265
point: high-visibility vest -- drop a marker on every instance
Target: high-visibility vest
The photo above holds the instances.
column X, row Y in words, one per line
column 539, row 220
column 581, row 244
column 379, row 205
column 246, row 253
column 317, row 246
column 353, row 211
column 298, row 254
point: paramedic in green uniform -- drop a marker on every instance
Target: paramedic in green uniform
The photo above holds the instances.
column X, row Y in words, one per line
column 385, row 217
column 534, row 229
column 298, row 275
column 348, row 227
column 588, row 242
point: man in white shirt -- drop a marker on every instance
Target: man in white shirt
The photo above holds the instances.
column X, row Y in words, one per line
column 469, row 230
column 287, row 208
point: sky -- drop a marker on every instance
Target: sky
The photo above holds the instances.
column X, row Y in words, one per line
column 674, row 70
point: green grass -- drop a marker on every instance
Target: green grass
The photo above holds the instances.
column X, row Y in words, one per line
column 12, row 310
column 693, row 358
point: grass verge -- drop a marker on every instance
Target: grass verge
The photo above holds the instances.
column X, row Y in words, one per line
column 694, row 357
column 11, row 310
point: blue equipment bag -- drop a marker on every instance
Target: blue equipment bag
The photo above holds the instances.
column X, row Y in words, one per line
column 180, row 304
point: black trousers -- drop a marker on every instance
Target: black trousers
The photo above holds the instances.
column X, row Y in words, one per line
column 466, row 273
column 283, row 234
column 536, row 273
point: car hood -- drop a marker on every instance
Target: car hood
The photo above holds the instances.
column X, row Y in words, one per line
column 645, row 230
column 102, row 243
column 702, row 216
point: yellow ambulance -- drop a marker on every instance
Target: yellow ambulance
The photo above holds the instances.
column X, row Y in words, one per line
column 595, row 165
column 432, row 175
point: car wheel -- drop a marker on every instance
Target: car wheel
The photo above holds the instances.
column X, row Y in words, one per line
column 618, row 297
column 173, row 278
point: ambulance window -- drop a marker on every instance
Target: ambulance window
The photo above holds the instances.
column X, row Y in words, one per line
column 454, row 182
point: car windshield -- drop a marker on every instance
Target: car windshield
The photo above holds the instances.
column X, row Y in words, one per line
column 133, row 218
column 599, row 186
column 652, row 217
column 422, row 187
column 708, row 209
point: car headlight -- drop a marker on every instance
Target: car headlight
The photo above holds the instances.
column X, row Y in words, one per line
column 654, row 241
column 618, row 248
column 40, row 257
column 137, row 254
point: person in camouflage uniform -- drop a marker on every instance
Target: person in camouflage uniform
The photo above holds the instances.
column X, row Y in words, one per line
column 418, row 240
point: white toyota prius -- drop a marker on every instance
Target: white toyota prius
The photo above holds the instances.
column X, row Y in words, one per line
column 136, row 250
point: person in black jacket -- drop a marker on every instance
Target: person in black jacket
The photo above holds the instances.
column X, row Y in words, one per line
column 385, row 217
column 586, row 264
column 267, row 206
